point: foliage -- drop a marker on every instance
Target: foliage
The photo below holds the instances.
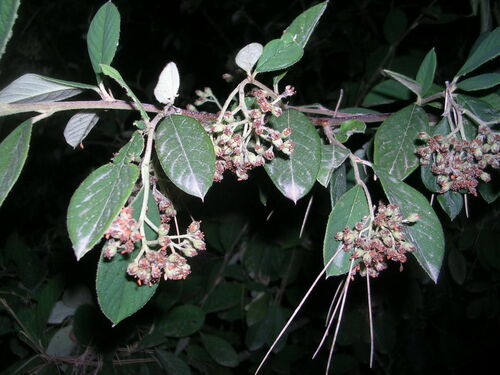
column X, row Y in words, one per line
column 206, row 259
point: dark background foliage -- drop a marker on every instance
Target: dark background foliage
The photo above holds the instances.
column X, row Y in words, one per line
column 421, row 328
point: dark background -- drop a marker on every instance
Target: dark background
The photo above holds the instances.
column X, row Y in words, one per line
column 451, row 327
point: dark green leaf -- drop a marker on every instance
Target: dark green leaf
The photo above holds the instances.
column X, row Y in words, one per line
column 13, row 152
column 302, row 27
column 295, row 176
column 182, row 321
column 172, row 364
column 224, row 296
column 220, row 350
column 489, row 191
column 332, row 156
column 394, row 147
column 186, row 154
column 457, row 266
column 350, row 209
column 279, row 54
column 405, row 81
column 29, row 268
column 452, row 203
column 348, row 128
column 479, row 108
column 426, row 234
column 8, row 15
column 97, row 201
column 338, row 185
column 426, row 71
column 266, row 331
column 257, row 309
column 480, row 82
column 103, row 36
column 429, row 179
column 118, row 295
column 386, row 92
column 487, row 49
column 395, row 25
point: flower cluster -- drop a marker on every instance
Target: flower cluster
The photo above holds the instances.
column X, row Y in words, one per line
column 373, row 243
column 122, row 234
column 459, row 163
column 243, row 141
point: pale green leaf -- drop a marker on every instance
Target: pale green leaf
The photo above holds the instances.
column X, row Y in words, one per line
column 13, row 153
column 426, row 234
column 186, row 154
column 8, row 15
column 487, row 49
column 248, row 56
column 103, row 36
column 113, row 73
column 118, row 295
column 452, row 203
column 426, row 72
column 480, row 82
column 348, row 210
column 332, row 156
column 303, row 25
column 32, row 88
column 394, row 146
column 348, row 128
column 78, row 127
column 405, row 81
column 279, row 54
column 220, row 350
column 295, row 175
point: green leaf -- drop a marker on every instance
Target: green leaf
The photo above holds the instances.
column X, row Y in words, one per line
column 279, row 54
column 220, row 350
column 13, row 152
column 186, row 154
column 395, row 25
column 78, row 127
column 394, row 146
column 8, row 15
column 479, row 108
column 350, row 209
column 182, row 321
column 426, row 234
column 103, row 36
column 78, row 85
column 172, row 364
column 386, row 92
column 457, row 266
column 97, row 201
column 405, row 81
column 348, row 128
column 224, row 296
column 296, row 175
column 332, row 156
column 118, row 295
column 32, row 88
column 480, row 82
column 452, row 203
column 487, row 49
column 338, row 185
column 426, row 72
column 132, row 149
column 257, row 309
column 268, row 329
column 113, row 73
column 429, row 179
column 489, row 191
column 303, row 25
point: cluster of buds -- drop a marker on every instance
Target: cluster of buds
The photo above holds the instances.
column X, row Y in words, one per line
column 205, row 96
column 165, row 205
column 459, row 163
column 241, row 145
column 373, row 243
column 122, row 234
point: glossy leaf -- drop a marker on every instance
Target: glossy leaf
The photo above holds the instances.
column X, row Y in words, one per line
column 303, row 25
column 103, row 36
column 452, row 203
column 480, row 82
column 332, row 156
column 279, row 54
column 429, row 179
column 338, row 185
column 8, row 15
column 348, row 128
column 131, row 150
column 405, row 81
column 426, row 234
column 350, row 209
column 426, row 72
column 220, row 350
column 295, row 176
column 118, row 295
column 172, row 364
column 13, row 152
column 113, row 73
column 394, row 146
column 32, row 88
column 186, row 154
column 248, row 56
column 182, row 321
column 78, row 127
column 479, row 108
column 97, row 201
column 487, row 49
